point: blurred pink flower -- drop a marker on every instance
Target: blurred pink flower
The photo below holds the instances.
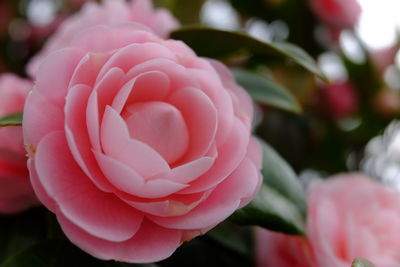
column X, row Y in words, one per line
column 280, row 250
column 78, row 3
column 337, row 13
column 339, row 99
column 349, row 216
column 109, row 12
column 5, row 17
column 137, row 144
column 16, row 193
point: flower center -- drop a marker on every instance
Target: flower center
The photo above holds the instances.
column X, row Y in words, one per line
column 159, row 125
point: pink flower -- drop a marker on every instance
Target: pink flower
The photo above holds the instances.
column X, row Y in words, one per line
column 110, row 12
column 337, row 13
column 339, row 99
column 280, row 250
column 16, row 193
column 78, row 3
column 349, row 216
column 137, row 144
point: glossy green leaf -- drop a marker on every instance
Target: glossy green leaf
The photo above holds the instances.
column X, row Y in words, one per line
column 232, row 237
column 280, row 204
column 217, row 43
column 360, row 262
column 280, row 176
column 11, row 120
column 271, row 210
column 267, row 91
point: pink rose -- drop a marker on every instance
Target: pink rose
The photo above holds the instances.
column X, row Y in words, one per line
column 349, row 216
column 137, row 144
column 337, row 13
column 16, row 193
column 110, row 12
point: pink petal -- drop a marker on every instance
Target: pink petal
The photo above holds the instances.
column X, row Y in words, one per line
column 160, row 20
column 254, row 152
column 117, row 144
column 77, row 135
column 147, row 86
column 129, row 181
column 151, row 243
column 230, row 154
column 173, row 206
column 40, row 117
column 38, row 188
column 105, row 38
column 179, row 77
column 186, row 173
column 159, row 125
column 244, row 103
column 181, row 49
column 102, row 95
column 201, row 120
column 224, row 73
column 55, row 73
column 88, row 68
column 137, row 53
column 100, row 214
column 222, row 202
column 211, row 85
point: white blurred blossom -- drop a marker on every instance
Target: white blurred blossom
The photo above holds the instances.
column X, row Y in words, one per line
column 382, row 157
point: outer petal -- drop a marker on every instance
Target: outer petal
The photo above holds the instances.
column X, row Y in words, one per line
column 222, row 202
column 56, row 72
column 151, row 243
column 77, row 198
column 40, row 118
column 38, row 188
column 104, row 38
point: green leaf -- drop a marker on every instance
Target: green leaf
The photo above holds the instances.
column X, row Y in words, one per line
column 267, row 91
column 280, row 176
column 217, row 43
column 231, row 236
column 271, row 210
column 11, row 120
column 280, row 204
column 360, row 262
